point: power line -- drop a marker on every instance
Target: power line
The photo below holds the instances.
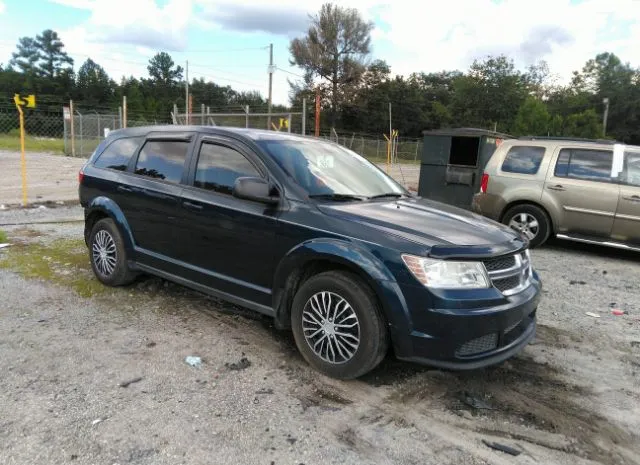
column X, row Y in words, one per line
column 289, row 72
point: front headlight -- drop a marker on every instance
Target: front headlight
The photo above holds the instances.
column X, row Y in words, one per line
column 443, row 274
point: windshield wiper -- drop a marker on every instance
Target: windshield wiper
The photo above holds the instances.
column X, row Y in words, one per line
column 395, row 195
column 337, row 197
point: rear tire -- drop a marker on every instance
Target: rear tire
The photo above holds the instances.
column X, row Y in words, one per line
column 108, row 255
column 338, row 325
column 531, row 221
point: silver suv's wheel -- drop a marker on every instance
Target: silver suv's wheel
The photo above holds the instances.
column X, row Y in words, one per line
column 530, row 221
column 526, row 224
column 338, row 325
column 108, row 255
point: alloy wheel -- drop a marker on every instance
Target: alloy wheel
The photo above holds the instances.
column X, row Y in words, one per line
column 331, row 327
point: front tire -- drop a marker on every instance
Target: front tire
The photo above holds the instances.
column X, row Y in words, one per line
column 531, row 221
column 108, row 255
column 338, row 325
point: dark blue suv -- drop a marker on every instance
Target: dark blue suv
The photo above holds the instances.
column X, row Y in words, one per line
column 315, row 236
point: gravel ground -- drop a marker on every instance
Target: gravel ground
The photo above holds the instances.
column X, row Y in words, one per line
column 50, row 178
column 572, row 397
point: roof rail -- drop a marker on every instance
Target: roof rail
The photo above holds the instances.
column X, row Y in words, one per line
column 569, row 139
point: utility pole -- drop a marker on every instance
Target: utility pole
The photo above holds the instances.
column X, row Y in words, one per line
column 186, row 94
column 606, row 115
column 270, row 85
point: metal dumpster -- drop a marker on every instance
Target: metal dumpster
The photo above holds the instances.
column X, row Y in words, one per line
column 452, row 163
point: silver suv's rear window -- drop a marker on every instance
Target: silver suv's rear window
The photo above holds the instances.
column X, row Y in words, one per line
column 523, row 159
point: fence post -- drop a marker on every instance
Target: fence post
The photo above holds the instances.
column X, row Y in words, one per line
column 81, row 136
column 377, row 148
column 417, row 145
column 202, row 113
column 289, row 123
column 124, row 110
column 120, row 116
column 100, row 133
column 246, row 116
column 362, row 146
column 73, row 135
column 65, row 135
column 304, row 116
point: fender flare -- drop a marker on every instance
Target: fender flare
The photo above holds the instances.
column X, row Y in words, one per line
column 344, row 254
column 108, row 207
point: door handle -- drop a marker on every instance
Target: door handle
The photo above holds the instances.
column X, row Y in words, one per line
column 124, row 189
column 191, row 205
column 158, row 195
column 557, row 187
column 633, row 198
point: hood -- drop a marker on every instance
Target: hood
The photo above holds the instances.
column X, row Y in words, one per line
column 447, row 230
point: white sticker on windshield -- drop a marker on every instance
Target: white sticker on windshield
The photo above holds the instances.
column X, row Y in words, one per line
column 325, row 161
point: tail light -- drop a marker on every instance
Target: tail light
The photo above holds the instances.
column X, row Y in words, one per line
column 80, row 176
column 484, row 184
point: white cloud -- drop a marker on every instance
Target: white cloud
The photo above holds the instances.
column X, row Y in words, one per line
column 139, row 22
column 462, row 30
column 2, row 7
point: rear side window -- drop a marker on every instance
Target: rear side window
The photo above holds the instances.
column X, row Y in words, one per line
column 632, row 168
column 591, row 165
column 220, row 166
column 117, row 155
column 523, row 160
column 162, row 160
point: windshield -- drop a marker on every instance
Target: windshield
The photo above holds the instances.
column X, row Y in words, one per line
column 326, row 169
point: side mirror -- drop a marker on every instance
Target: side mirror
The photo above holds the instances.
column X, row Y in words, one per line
column 256, row 189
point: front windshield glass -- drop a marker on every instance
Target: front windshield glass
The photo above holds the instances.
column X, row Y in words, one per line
column 322, row 168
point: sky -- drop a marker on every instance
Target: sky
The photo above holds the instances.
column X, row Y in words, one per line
column 227, row 41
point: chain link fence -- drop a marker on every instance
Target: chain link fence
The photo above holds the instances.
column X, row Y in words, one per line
column 375, row 148
column 284, row 122
column 51, row 131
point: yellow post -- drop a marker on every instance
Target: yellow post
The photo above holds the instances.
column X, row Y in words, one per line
column 388, row 151
column 23, row 160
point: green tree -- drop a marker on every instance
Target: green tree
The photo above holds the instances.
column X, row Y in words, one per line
column 489, row 94
column 53, row 59
column 532, row 119
column 25, row 59
column 334, row 49
column 162, row 70
column 585, row 125
column 93, row 85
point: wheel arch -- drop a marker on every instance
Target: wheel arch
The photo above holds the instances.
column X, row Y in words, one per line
column 516, row 203
column 103, row 207
column 315, row 257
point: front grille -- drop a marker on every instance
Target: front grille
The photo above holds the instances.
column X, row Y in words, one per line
column 501, row 263
column 506, row 283
column 509, row 274
column 478, row 345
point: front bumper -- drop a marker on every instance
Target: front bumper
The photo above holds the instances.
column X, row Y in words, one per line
column 470, row 334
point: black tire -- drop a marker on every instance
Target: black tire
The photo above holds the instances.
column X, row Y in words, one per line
column 544, row 224
column 120, row 275
column 371, row 329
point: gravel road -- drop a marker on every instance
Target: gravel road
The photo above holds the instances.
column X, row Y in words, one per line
column 50, row 178
column 102, row 379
